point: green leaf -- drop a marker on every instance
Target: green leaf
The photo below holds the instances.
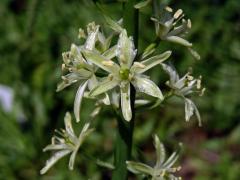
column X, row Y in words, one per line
column 104, row 86
column 153, row 61
column 142, row 4
column 147, row 86
column 139, row 168
column 126, row 102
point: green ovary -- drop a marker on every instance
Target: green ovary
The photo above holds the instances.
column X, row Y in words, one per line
column 124, row 74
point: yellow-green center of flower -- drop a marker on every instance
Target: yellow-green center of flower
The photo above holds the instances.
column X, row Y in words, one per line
column 124, row 73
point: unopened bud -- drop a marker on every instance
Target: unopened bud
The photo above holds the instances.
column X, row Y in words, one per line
column 81, row 33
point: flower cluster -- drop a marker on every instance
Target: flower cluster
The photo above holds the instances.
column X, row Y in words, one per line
column 163, row 168
column 106, row 72
column 67, row 143
column 126, row 72
column 183, row 87
column 82, row 62
column 167, row 28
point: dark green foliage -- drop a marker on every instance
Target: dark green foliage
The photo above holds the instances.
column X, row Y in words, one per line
column 34, row 33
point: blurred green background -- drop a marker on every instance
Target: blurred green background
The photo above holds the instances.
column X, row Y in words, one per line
column 34, row 33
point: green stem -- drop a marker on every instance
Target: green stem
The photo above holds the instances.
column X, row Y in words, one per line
column 123, row 145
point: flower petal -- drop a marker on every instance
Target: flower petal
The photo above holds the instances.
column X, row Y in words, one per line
column 126, row 102
column 153, row 61
column 178, row 40
column 51, row 147
column 92, row 37
column 188, row 109
column 68, row 124
column 50, row 162
column 110, row 53
column 147, row 86
column 125, row 50
column 174, row 77
column 72, row 160
column 139, row 168
column 104, row 86
column 99, row 60
column 78, row 100
column 173, row 158
column 160, row 150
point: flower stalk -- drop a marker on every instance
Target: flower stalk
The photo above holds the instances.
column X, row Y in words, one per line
column 124, row 135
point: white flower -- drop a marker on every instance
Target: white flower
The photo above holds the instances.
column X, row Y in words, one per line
column 183, row 87
column 167, row 28
column 163, row 168
column 67, row 143
column 125, row 72
column 78, row 69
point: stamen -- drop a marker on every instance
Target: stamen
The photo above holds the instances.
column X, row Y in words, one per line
column 108, row 63
column 177, row 14
column 189, row 78
column 167, row 8
column 139, row 65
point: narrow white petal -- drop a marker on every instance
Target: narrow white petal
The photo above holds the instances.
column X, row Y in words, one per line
column 55, row 147
column 125, row 50
column 174, row 77
column 92, row 38
column 50, row 162
column 92, row 82
column 197, row 114
column 68, row 124
column 110, row 53
column 78, row 100
column 189, row 109
column 99, row 60
column 104, row 86
column 72, row 160
column 160, row 150
column 153, row 61
column 139, row 168
column 126, row 102
column 178, row 40
column 147, row 86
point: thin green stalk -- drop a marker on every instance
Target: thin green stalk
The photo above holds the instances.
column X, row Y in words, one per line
column 123, row 145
